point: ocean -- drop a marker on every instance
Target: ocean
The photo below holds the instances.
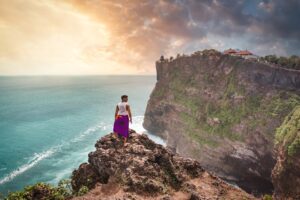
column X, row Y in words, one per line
column 49, row 124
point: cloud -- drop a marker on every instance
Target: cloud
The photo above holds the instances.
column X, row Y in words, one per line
column 267, row 6
column 50, row 37
column 158, row 22
column 130, row 35
column 143, row 29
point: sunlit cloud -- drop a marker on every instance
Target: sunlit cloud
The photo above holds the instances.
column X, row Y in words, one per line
column 50, row 37
column 78, row 37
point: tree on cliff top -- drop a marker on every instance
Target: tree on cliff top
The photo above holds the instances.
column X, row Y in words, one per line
column 162, row 58
column 292, row 62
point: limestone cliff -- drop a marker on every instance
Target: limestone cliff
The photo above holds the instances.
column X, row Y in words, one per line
column 223, row 110
column 286, row 173
column 143, row 170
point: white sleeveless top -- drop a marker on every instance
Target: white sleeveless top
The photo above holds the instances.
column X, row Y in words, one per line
column 122, row 108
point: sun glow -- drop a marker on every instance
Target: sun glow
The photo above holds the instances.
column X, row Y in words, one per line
column 52, row 38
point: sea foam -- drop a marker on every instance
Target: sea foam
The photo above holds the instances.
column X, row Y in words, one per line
column 137, row 125
column 37, row 157
column 32, row 162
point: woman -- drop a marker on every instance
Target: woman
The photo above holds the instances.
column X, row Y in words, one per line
column 122, row 118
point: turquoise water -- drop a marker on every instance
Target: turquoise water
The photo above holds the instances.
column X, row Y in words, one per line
column 48, row 125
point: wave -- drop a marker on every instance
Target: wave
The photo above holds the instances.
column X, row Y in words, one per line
column 37, row 157
column 137, row 124
column 90, row 131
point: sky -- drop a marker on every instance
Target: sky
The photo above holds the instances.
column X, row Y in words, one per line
column 91, row 37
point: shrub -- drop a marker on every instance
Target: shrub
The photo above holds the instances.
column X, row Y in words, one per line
column 287, row 133
column 267, row 197
column 82, row 191
column 45, row 191
column 292, row 62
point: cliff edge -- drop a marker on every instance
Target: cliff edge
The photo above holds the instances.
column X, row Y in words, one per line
column 143, row 169
column 223, row 111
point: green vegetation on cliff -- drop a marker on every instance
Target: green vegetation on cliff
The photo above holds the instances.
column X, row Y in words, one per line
column 47, row 191
column 288, row 134
column 232, row 114
column 292, row 62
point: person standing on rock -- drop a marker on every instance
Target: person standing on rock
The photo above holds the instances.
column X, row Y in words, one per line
column 122, row 118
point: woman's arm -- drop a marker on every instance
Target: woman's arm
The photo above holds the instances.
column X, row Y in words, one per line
column 116, row 113
column 129, row 113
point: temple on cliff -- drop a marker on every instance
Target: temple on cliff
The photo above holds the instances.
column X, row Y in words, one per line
column 243, row 53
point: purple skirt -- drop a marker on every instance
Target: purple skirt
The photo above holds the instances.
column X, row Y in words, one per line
column 121, row 125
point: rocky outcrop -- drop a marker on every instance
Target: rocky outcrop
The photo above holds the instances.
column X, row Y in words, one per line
column 223, row 111
column 142, row 169
column 286, row 173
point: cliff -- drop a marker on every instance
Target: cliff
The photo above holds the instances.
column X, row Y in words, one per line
column 286, row 173
column 223, row 111
column 143, row 169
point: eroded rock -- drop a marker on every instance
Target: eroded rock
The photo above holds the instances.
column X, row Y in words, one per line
column 143, row 169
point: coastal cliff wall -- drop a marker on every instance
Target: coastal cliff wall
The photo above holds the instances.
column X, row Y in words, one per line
column 223, row 110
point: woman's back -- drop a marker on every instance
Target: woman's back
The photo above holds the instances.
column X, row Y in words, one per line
column 122, row 108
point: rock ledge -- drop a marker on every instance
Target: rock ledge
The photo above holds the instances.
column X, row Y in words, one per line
column 143, row 169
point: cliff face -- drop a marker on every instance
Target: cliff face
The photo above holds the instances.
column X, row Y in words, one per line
column 223, row 111
column 144, row 170
column 286, row 173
